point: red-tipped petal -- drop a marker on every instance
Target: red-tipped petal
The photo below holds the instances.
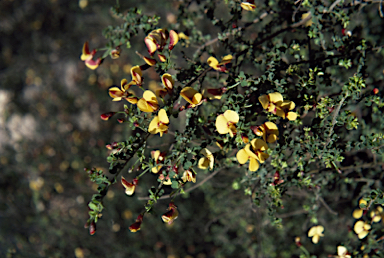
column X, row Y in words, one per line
column 173, row 39
column 107, row 116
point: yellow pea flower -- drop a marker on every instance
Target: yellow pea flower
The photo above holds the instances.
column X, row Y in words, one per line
column 192, row 96
column 189, row 176
column 122, row 93
column 173, row 39
column 248, row 6
column 283, row 110
column 207, row 160
column 270, row 101
column 361, row 228
column 342, row 252
column 129, row 187
column 268, row 131
column 148, row 103
column 214, row 63
column 316, row 232
column 255, row 155
column 159, row 123
column 226, row 123
column 87, row 57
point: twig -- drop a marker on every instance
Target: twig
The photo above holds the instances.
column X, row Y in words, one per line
column 326, row 206
column 188, row 190
column 290, row 214
column 297, row 9
column 332, row 6
column 334, row 119
column 369, row 165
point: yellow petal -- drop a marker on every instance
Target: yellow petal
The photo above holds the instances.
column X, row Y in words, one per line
column 262, row 157
column 163, row 116
column 259, row 144
column 206, row 152
column 136, row 74
column 292, row 116
column 248, row 6
column 280, row 112
column 115, row 92
column 231, row 116
column 271, row 138
column 212, row 62
column 151, row 45
column 250, row 153
column 242, row 156
column 153, row 126
column 253, row 165
column 276, row 98
column 150, row 96
column 271, row 126
column 222, row 124
column 188, row 93
column 226, row 59
column 173, row 39
column 144, row 106
column 264, row 101
column 341, row 251
column 203, row 163
column 315, row 239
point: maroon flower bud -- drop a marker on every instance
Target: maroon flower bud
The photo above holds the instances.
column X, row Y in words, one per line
column 375, row 91
column 120, row 120
column 171, row 214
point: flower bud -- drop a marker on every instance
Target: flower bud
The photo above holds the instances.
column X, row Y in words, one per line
column 92, row 228
column 136, row 226
column 375, row 91
column 107, row 116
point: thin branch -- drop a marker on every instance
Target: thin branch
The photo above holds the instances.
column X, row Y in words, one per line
column 297, row 9
column 327, row 206
column 186, row 191
column 369, row 165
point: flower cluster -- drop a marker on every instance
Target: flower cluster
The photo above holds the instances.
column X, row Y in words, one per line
column 274, row 103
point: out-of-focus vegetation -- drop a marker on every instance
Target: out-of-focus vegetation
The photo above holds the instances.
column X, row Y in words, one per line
column 50, row 130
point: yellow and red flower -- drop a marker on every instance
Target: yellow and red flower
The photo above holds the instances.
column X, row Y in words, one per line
column 137, row 75
column 137, row 225
column 168, row 81
column 87, row 57
column 159, row 123
column 214, row 63
column 171, row 214
column 159, row 158
column 192, row 96
column 123, row 93
column 226, row 123
column 148, row 103
column 254, row 155
column 189, row 176
column 129, row 187
column 268, row 131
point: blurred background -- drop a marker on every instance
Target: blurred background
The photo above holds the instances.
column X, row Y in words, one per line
column 50, row 130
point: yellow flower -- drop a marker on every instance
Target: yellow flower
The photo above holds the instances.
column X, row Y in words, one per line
column 129, row 187
column 115, row 53
column 255, row 155
column 342, row 252
column 159, row 158
column 207, row 160
column 358, row 213
column 361, row 228
column 87, row 57
column 226, row 123
column 309, row 22
column 377, row 214
column 270, row 101
column 316, row 232
column 191, row 96
column 148, row 103
column 189, row 176
column 137, row 75
column 149, row 61
column 122, row 93
column 212, row 62
column 159, row 123
column 248, row 6
column 283, row 109
column 268, row 131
